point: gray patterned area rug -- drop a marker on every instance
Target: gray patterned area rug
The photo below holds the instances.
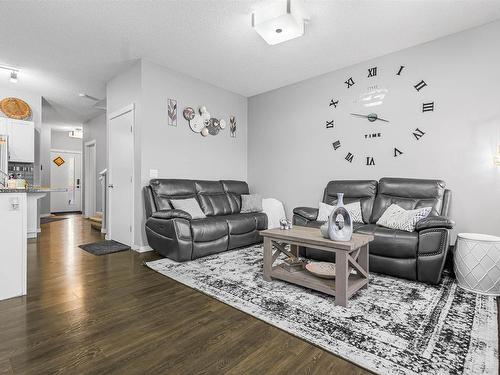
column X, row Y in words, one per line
column 394, row 327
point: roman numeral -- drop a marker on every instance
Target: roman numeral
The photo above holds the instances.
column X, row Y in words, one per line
column 426, row 107
column 349, row 82
column 372, row 72
column 419, row 86
column 418, row 134
column 400, row 70
column 397, row 152
column 329, row 124
column 334, row 103
column 370, row 160
column 349, row 157
column 336, row 145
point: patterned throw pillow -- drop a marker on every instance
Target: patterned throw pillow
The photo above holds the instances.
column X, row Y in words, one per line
column 190, row 205
column 396, row 217
column 353, row 208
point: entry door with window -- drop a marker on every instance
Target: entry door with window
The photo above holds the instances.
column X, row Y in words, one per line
column 121, row 149
column 65, row 174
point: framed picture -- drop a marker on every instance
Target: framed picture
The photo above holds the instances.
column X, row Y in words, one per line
column 172, row 112
column 232, row 126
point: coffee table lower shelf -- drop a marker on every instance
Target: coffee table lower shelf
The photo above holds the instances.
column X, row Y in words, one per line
column 304, row 278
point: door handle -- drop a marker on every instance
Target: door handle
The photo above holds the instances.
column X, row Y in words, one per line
column 111, row 186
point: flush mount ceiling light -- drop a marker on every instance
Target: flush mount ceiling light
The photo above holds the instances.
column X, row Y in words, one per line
column 13, row 73
column 279, row 21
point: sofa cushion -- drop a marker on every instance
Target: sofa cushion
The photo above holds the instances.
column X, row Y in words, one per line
column 244, row 223
column 363, row 191
column 212, row 197
column 166, row 189
column 409, row 194
column 189, row 205
column 392, row 243
column 251, row 203
column 396, row 217
column 209, row 229
column 234, row 190
column 354, row 209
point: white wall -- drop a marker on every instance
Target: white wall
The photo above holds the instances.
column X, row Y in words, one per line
column 95, row 130
column 60, row 140
column 290, row 155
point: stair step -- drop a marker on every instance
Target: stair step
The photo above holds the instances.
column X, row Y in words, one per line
column 96, row 219
column 96, row 226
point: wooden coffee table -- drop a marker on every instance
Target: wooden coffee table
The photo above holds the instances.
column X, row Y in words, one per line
column 348, row 255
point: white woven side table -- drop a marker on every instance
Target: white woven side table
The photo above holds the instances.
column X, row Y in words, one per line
column 477, row 263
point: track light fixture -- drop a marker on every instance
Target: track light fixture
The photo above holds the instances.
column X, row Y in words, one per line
column 13, row 76
column 13, row 73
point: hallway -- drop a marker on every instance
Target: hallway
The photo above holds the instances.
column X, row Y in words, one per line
column 87, row 314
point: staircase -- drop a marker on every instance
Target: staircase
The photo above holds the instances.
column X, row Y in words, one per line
column 96, row 221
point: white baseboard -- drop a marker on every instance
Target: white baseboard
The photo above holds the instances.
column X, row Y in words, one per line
column 141, row 248
column 45, row 215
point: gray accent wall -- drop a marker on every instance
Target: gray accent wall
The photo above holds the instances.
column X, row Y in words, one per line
column 290, row 153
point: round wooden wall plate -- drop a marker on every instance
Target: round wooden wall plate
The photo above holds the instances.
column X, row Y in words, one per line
column 15, row 108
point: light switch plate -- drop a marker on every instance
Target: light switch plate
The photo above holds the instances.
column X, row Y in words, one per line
column 153, row 173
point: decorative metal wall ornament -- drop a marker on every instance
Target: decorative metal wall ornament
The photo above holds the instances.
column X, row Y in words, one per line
column 201, row 121
column 232, row 126
column 172, row 112
column 188, row 113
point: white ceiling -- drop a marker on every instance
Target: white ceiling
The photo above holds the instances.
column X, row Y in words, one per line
column 67, row 47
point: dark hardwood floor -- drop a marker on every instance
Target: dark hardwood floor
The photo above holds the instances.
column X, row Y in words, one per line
column 87, row 314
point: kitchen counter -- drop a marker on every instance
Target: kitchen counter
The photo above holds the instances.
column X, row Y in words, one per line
column 33, row 194
column 31, row 190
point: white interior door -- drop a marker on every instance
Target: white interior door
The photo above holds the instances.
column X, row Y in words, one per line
column 90, row 179
column 121, row 148
column 65, row 174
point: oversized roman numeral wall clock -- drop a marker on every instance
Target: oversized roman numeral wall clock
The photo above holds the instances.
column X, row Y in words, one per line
column 379, row 114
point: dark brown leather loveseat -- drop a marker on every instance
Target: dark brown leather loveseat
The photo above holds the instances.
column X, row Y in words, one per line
column 418, row 255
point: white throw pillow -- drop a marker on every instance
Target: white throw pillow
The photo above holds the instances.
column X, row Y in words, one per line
column 353, row 208
column 396, row 217
column 190, row 205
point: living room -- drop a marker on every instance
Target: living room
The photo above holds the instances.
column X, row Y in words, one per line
column 275, row 186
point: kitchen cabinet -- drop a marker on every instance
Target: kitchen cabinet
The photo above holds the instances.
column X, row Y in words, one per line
column 21, row 139
column 13, row 251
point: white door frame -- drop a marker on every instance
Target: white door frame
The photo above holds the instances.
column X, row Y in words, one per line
column 81, row 162
column 113, row 115
column 90, row 189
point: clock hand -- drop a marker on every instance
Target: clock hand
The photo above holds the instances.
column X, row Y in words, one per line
column 357, row 114
column 371, row 117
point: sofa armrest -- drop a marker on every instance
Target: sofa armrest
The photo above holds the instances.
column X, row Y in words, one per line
column 171, row 214
column 434, row 222
column 308, row 213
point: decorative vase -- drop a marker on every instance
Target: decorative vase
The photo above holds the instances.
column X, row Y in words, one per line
column 340, row 230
